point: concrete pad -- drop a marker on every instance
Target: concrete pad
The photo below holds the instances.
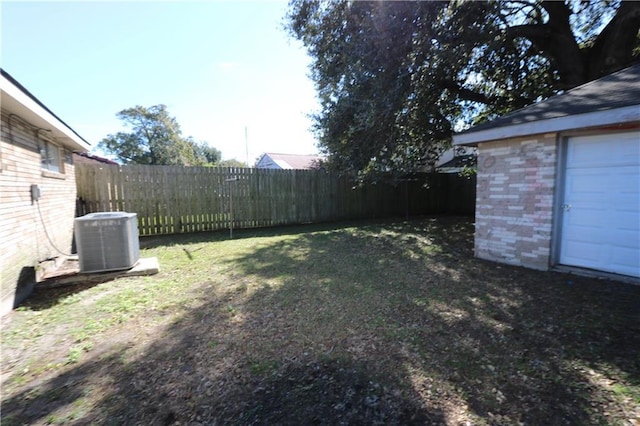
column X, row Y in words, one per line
column 72, row 275
column 144, row 266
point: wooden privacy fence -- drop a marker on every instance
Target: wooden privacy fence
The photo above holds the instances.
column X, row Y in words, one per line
column 176, row 199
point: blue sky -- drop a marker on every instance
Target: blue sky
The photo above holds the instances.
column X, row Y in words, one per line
column 218, row 66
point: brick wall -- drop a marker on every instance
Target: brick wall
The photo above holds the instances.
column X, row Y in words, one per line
column 514, row 202
column 23, row 242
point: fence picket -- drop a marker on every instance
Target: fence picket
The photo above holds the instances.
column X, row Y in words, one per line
column 175, row 199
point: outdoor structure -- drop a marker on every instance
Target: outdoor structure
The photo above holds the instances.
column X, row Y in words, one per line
column 87, row 158
column 454, row 160
column 37, row 188
column 559, row 181
column 270, row 160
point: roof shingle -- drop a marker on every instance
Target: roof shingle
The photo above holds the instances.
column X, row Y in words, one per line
column 618, row 90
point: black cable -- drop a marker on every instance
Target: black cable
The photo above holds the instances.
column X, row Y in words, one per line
column 47, row 233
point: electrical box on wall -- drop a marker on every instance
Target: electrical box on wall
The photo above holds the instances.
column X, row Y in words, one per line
column 35, row 192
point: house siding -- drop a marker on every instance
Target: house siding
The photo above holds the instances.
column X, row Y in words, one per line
column 514, row 203
column 23, row 237
column 267, row 162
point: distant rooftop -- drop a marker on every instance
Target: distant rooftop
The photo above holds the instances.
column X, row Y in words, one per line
column 288, row 161
column 86, row 158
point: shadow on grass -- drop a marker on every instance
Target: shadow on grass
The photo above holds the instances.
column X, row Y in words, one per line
column 148, row 242
column 45, row 298
column 507, row 341
column 379, row 323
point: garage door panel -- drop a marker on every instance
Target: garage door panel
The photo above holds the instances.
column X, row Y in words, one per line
column 601, row 218
column 627, row 172
column 626, row 259
column 616, row 268
column 607, row 222
column 626, row 205
column 589, row 252
column 626, row 220
column 583, row 219
column 586, row 217
column 626, row 149
column 597, row 150
column 626, row 256
column 585, row 236
column 587, row 154
column 605, row 258
column 588, row 182
column 623, row 180
column 624, row 239
column 590, row 200
column 600, row 235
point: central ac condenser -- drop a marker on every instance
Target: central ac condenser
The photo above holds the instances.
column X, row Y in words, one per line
column 107, row 241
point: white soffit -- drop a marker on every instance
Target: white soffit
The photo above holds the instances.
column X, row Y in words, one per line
column 15, row 101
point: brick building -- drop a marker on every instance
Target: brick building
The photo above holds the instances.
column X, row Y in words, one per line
column 37, row 188
column 559, row 181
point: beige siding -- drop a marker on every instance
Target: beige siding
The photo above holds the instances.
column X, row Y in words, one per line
column 23, row 242
column 514, row 203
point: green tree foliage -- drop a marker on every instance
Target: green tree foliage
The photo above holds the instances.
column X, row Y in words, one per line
column 232, row 163
column 155, row 139
column 395, row 79
column 206, row 154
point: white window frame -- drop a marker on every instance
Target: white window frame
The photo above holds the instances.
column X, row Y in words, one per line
column 51, row 157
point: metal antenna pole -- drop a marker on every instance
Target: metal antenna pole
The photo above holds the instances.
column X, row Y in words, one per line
column 233, row 179
column 231, row 213
column 246, row 145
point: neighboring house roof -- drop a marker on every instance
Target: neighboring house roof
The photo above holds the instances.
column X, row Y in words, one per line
column 288, row 161
column 610, row 100
column 86, row 158
column 19, row 101
column 458, row 163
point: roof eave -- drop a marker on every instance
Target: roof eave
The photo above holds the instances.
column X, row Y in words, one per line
column 16, row 101
column 560, row 124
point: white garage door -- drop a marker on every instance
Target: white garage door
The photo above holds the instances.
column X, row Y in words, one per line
column 601, row 207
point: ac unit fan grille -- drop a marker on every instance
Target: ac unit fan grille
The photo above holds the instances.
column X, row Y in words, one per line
column 107, row 241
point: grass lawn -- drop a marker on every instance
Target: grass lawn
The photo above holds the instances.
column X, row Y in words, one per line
column 367, row 323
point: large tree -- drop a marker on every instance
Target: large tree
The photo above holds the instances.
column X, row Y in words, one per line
column 232, row 162
column 155, row 139
column 206, row 154
column 395, row 79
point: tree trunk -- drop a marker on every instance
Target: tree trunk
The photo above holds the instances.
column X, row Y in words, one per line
column 612, row 50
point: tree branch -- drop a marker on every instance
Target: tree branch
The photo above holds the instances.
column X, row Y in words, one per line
column 473, row 96
column 556, row 43
column 613, row 48
column 465, row 93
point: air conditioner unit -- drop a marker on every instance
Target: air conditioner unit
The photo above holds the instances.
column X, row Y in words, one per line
column 107, row 241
